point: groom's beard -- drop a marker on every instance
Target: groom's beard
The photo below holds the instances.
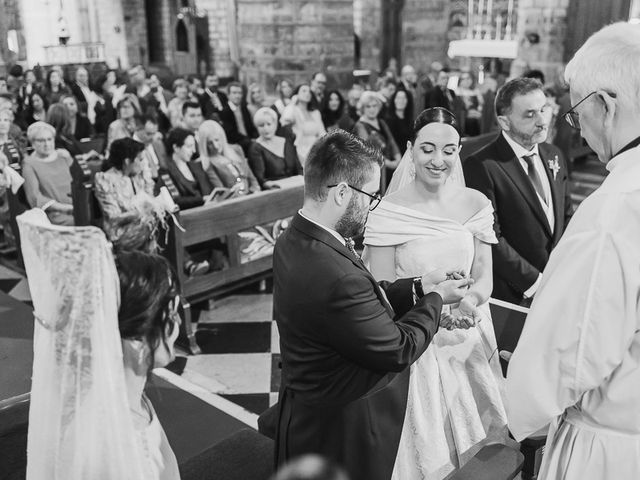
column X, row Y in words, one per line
column 352, row 223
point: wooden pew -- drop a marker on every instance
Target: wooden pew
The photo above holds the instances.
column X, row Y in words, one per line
column 226, row 219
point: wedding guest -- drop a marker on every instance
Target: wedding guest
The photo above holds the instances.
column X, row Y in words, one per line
column 473, row 104
column 399, row 117
column 236, row 120
column 79, row 125
column 155, row 153
column 192, row 117
column 26, row 89
column 527, row 182
column 157, row 102
column 576, row 365
column 386, row 87
column 429, row 221
column 318, row 87
column 441, row 95
column 304, row 119
column 174, row 108
column 85, row 97
column 189, row 178
column 255, row 98
column 195, row 88
column 409, row 83
column 46, row 175
column 58, row 118
column 54, row 87
column 123, row 186
column 212, row 100
column 334, row 113
column 375, row 131
column 148, row 321
column 104, row 109
column 124, row 126
column 8, row 146
column 271, row 157
column 225, row 165
column 353, row 98
column 36, row 110
column 284, row 91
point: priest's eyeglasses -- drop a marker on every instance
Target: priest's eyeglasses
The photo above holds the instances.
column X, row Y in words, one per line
column 573, row 117
column 374, row 200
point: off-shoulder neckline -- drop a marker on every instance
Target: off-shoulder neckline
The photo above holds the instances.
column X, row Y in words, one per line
column 432, row 216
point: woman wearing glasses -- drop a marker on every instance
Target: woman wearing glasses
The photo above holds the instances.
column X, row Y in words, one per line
column 430, row 221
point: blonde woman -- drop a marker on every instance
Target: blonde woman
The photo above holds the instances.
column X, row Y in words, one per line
column 125, row 125
column 271, row 157
column 255, row 98
column 223, row 162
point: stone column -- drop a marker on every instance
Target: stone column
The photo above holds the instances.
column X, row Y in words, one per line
column 294, row 38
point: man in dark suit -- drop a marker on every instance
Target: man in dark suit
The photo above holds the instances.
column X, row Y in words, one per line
column 236, row 119
column 528, row 185
column 212, row 100
column 345, row 349
column 318, row 86
column 440, row 95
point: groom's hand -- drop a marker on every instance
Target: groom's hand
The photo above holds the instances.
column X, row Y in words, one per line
column 451, row 291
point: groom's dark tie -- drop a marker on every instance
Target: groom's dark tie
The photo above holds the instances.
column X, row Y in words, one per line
column 533, row 175
column 351, row 245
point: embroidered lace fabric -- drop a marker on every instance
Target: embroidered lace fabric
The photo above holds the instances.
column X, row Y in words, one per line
column 80, row 424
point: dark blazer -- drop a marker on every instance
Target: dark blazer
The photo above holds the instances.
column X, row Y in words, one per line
column 209, row 109
column 436, row 97
column 345, row 357
column 524, row 236
column 266, row 165
column 230, row 126
column 190, row 194
column 84, row 129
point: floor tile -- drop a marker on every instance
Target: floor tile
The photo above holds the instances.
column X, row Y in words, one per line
column 254, row 402
column 216, row 338
column 231, row 373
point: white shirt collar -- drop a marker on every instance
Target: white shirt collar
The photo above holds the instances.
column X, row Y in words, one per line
column 518, row 149
column 339, row 237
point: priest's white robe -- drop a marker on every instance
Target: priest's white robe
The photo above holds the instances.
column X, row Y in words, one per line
column 577, row 363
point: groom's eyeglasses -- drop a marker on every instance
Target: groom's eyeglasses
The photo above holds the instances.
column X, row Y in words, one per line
column 374, row 200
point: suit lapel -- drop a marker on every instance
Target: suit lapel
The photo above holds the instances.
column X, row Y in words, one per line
column 320, row 234
column 511, row 165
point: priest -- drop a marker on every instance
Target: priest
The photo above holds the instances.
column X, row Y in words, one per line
column 577, row 364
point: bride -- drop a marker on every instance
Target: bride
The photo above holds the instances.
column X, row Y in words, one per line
column 428, row 221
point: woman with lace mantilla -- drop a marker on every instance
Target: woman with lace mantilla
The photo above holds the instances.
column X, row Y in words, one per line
column 430, row 221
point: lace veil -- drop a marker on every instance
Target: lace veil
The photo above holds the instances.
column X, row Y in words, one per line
column 405, row 173
column 80, row 425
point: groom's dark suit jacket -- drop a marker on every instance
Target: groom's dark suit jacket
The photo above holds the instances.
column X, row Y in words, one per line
column 344, row 353
column 524, row 236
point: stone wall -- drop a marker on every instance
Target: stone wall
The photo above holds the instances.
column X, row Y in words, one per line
column 135, row 28
column 425, row 32
column 294, row 38
column 219, row 36
column 547, row 19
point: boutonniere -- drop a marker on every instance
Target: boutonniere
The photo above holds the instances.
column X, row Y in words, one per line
column 554, row 165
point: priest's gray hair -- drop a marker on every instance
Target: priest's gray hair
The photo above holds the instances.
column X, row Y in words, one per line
column 609, row 60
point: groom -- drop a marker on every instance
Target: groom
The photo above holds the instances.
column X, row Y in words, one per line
column 346, row 341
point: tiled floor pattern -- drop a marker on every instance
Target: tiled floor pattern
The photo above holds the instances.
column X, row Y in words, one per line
column 239, row 340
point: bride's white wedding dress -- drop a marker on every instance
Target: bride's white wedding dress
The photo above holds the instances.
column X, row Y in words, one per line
column 455, row 392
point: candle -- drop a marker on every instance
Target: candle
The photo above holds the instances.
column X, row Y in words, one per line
column 489, row 11
column 470, row 19
column 498, row 27
column 509, row 19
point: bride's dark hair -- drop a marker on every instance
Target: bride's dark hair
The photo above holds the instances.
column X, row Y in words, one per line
column 434, row 115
